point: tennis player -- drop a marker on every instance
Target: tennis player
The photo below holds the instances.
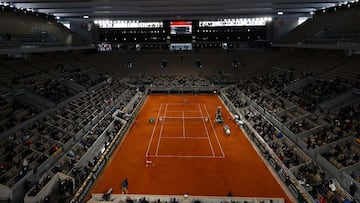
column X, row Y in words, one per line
column 148, row 161
column 124, row 186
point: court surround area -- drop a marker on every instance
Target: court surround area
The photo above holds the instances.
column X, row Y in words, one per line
column 191, row 152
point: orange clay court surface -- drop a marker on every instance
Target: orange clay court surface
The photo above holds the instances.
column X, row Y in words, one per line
column 192, row 154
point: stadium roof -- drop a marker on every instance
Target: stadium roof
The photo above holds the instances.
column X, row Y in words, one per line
column 171, row 9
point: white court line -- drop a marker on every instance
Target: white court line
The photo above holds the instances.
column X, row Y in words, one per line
column 207, row 133
column 183, row 122
column 183, row 117
column 161, row 129
column 184, row 138
column 152, row 134
column 182, row 111
column 187, row 156
column 222, row 151
column 187, row 104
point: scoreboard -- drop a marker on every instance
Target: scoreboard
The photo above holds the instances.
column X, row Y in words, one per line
column 180, row 27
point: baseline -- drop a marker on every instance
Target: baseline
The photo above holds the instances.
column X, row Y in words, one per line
column 189, row 156
column 184, row 138
column 182, row 111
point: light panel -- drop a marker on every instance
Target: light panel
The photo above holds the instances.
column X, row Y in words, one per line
column 128, row 24
column 235, row 22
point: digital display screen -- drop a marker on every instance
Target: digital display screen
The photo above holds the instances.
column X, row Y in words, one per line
column 180, row 27
column 180, row 46
column 104, row 47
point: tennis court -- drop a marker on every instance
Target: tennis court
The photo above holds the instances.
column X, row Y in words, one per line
column 192, row 154
column 184, row 130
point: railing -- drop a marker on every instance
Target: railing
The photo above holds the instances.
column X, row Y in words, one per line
column 186, row 89
column 180, row 198
column 43, row 192
column 299, row 84
column 283, row 172
column 19, row 50
column 314, row 154
column 90, row 179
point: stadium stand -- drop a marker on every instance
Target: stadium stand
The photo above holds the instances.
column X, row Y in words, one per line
column 61, row 132
column 302, row 126
column 62, row 114
column 30, row 29
column 327, row 27
column 55, row 133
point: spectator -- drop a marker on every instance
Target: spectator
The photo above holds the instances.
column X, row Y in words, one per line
column 352, row 189
column 229, row 194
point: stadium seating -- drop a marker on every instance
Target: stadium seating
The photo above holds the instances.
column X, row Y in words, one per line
column 29, row 29
column 304, row 136
column 327, row 27
column 68, row 130
column 56, row 109
column 300, row 165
